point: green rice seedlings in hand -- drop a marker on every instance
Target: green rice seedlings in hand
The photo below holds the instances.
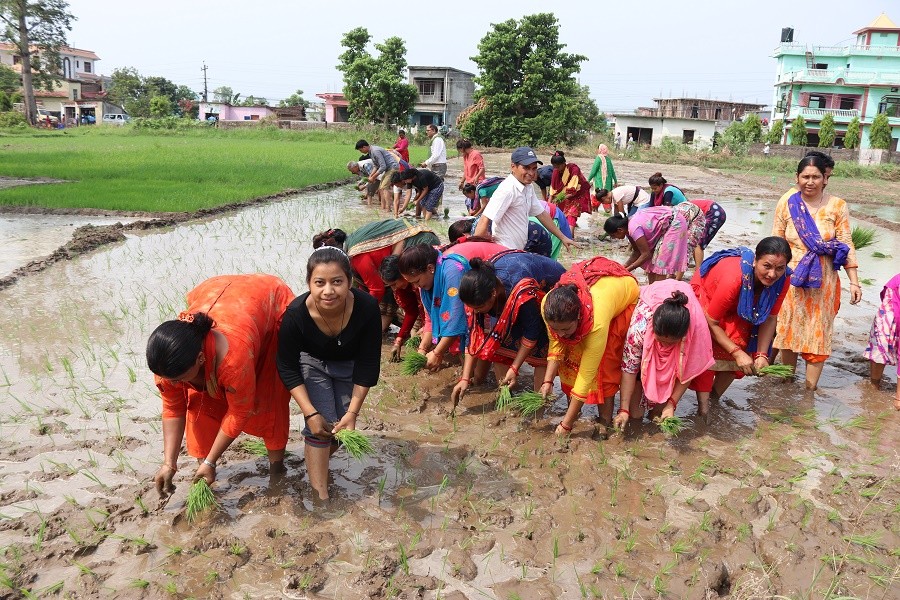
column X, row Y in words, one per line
column 672, row 426
column 413, row 362
column 414, row 342
column 528, row 403
column 504, row 398
column 200, row 498
column 357, row 444
column 863, row 236
column 777, row 370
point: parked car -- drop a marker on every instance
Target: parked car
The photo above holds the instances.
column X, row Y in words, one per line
column 115, row 119
column 43, row 115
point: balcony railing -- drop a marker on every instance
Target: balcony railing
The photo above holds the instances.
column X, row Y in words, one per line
column 848, row 76
column 829, row 51
column 837, row 113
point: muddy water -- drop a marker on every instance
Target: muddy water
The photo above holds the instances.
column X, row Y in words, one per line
column 782, row 492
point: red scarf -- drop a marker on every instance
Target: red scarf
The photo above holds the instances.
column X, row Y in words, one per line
column 583, row 275
column 484, row 344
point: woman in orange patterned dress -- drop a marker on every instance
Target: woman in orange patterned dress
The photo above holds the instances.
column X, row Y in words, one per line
column 215, row 369
column 817, row 227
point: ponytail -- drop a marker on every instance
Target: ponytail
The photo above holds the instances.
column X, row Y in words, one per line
column 671, row 318
column 478, row 283
column 332, row 237
column 558, row 158
column 173, row 347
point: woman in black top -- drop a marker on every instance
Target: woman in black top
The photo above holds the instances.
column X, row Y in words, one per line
column 329, row 355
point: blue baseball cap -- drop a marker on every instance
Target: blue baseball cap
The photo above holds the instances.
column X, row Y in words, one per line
column 525, row 156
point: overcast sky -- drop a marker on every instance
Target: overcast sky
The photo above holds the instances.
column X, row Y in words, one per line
column 636, row 49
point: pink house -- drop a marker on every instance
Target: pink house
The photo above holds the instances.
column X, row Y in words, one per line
column 226, row 112
column 336, row 110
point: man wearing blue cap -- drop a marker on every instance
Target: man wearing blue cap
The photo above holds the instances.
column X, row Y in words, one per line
column 506, row 214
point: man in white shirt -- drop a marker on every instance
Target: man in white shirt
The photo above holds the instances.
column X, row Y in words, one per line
column 506, row 214
column 437, row 162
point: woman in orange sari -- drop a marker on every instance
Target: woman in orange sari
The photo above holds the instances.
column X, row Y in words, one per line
column 215, row 370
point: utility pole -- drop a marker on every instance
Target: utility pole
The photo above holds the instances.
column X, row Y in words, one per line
column 205, row 92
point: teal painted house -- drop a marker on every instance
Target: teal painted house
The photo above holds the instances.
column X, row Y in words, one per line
column 860, row 80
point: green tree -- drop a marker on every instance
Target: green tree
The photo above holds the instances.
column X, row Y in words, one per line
column 776, row 131
column 880, row 133
column 826, row 131
column 528, row 85
column 5, row 102
column 375, row 86
column 185, row 102
column 127, row 89
column 753, row 128
column 160, row 106
column 295, row 99
column 798, row 131
column 225, row 95
column 9, row 80
column 851, row 138
column 38, row 29
column 736, row 139
column 252, row 100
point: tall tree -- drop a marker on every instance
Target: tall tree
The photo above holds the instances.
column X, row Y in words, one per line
column 38, row 29
column 375, row 87
column 9, row 80
column 775, row 132
column 528, row 82
column 753, row 128
column 826, row 131
column 880, row 133
column 224, row 95
column 295, row 99
column 851, row 139
column 798, row 131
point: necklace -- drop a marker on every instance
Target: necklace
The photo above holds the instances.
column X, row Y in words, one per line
column 328, row 325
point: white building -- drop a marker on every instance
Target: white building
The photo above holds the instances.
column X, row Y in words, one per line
column 651, row 131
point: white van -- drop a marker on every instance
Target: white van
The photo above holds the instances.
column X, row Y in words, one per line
column 113, row 119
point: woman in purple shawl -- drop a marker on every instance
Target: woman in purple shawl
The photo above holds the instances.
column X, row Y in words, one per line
column 817, row 226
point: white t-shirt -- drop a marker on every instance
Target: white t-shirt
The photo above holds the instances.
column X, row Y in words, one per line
column 509, row 209
column 624, row 194
column 438, row 152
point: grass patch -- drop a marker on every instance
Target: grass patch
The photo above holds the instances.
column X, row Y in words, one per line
column 357, row 444
column 121, row 168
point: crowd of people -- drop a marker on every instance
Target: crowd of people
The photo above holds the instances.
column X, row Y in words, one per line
column 495, row 299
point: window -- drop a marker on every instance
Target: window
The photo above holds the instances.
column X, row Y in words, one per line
column 87, row 67
column 74, row 93
column 890, row 105
column 817, row 101
column 822, row 66
column 426, row 87
column 695, row 112
column 848, row 103
column 687, row 136
column 77, row 64
column 16, row 59
column 718, row 112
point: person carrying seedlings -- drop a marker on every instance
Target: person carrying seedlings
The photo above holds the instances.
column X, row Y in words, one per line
column 661, row 238
column 741, row 293
column 602, row 175
column 587, row 314
column 215, row 370
column 884, row 338
column 437, row 274
column 817, row 227
column 669, row 345
column 329, row 355
column 569, row 189
column 473, row 164
column 367, row 248
column 502, row 296
column 429, row 190
column 664, row 193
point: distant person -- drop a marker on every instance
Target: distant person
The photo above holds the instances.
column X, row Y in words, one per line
column 766, row 150
column 626, row 199
column 364, row 169
column 569, row 189
column 629, row 145
column 437, row 161
column 664, row 193
column 477, row 196
column 618, row 141
column 602, row 175
column 216, row 373
column 885, row 335
column 429, row 190
column 506, row 214
column 385, row 166
column 402, row 145
column 473, row 164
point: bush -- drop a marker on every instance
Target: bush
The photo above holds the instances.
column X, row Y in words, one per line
column 170, row 123
column 826, row 132
column 851, row 139
column 776, row 131
column 12, row 119
column 880, row 134
column 798, row 132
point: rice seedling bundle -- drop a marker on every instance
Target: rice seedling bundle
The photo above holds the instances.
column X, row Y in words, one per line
column 777, row 370
column 672, row 426
column 357, row 444
column 863, row 236
column 528, row 403
column 255, row 446
column 413, row 362
column 413, row 342
column 199, row 499
column 504, row 398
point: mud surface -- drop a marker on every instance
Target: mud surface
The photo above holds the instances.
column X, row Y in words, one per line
column 782, row 493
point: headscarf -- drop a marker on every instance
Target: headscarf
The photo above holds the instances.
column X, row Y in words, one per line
column 755, row 314
column 661, row 365
column 808, row 273
column 583, row 275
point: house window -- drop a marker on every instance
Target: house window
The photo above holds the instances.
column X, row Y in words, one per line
column 718, row 112
column 426, row 87
column 695, row 112
column 74, row 94
column 687, row 136
column 16, row 59
column 890, row 105
column 77, row 64
column 848, row 103
column 822, row 66
column 87, row 67
column 817, row 101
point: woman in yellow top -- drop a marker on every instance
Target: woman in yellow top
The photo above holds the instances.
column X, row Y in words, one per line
column 817, row 227
column 587, row 316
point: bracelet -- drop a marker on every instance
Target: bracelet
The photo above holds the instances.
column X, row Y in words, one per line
column 310, row 416
column 736, row 349
column 563, row 425
column 624, row 410
column 174, row 468
column 461, row 379
column 546, row 382
column 855, row 285
column 354, row 412
column 761, row 355
column 514, row 369
column 206, row 461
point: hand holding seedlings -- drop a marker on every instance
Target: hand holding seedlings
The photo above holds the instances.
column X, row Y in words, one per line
column 319, row 427
column 620, row 421
column 348, row 421
column 504, row 398
column 206, row 472
column 163, row 480
column 777, row 370
column 510, row 378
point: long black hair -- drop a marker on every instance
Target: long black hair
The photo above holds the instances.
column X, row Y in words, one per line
column 562, row 304
column 173, row 347
column 324, row 255
column 671, row 318
column 478, row 283
column 416, row 259
column 775, row 245
column 331, row 237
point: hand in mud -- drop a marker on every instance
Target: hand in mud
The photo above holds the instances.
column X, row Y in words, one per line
column 620, row 421
column 434, row 360
column 561, row 431
column 163, row 481
column 547, row 389
column 348, row 421
column 395, row 353
column 459, row 390
column 319, row 427
column 204, row 471
column 509, row 379
column 744, row 362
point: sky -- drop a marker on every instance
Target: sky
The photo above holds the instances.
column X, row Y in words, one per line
column 637, row 49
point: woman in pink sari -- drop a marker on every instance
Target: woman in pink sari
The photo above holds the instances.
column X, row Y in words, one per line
column 669, row 344
column 569, row 189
